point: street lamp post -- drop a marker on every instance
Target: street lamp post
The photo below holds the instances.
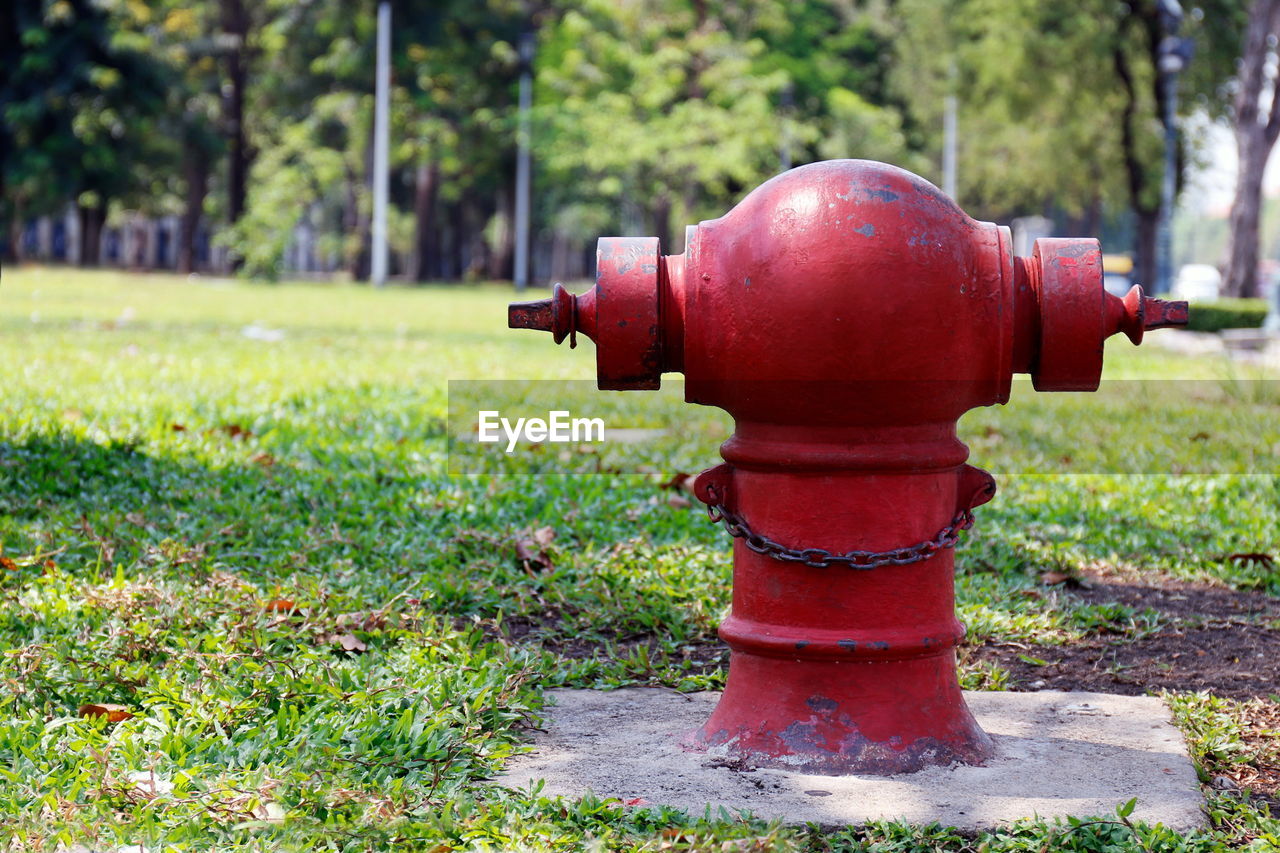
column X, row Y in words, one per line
column 1174, row 54
column 524, row 164
column 381, row 147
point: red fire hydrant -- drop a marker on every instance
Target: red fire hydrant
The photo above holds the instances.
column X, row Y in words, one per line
column 846, row 314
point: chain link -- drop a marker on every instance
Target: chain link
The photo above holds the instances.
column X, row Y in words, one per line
column 820, row 558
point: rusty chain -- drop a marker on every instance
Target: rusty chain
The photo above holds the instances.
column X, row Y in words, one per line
column 820, row 558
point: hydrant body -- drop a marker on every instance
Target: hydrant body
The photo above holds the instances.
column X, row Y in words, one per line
column 846, row 314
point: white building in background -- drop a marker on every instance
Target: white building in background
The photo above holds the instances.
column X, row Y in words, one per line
column 1026, row 231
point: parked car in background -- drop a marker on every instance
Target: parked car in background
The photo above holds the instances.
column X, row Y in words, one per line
column 1198, row 283
column 1117, row 274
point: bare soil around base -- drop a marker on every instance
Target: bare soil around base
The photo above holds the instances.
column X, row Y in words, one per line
column 1220, row 640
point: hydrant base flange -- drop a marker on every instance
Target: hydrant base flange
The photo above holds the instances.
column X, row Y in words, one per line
column 838, row 725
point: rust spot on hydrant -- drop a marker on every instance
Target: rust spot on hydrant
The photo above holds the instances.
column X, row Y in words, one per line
column 846, row 362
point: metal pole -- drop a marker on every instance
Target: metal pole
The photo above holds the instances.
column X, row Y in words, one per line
column 1171, row 61
column 1168, row 185
column 523, row 162
column 381, row 145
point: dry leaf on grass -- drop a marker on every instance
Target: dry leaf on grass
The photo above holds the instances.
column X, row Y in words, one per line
column 1068, row 580
column 1254, row 557
column 281, row 605
column 531, row 552
column 348, row 642
column 374, row 620
column 270, row 812
column 235, row 431
column 113, row 713
column 680, row 482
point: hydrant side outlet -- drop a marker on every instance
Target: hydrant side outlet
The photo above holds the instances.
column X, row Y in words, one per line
column 846, row 314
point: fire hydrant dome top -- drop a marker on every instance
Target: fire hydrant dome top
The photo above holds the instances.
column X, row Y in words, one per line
column 834, row 192
column 871, row 274
column 847, row 241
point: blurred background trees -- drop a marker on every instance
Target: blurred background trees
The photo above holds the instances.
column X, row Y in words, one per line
column 245, row 128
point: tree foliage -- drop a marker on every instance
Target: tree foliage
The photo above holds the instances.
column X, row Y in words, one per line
column 649, row 114
column 80, row 104
column 1060, row 107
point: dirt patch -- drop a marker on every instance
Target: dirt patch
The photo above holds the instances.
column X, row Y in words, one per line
column 1260, row 723
column 1220, row 640
column 1239, row 661
column 1182, row 600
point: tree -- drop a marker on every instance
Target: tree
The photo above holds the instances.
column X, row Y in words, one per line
column 657, row 113
column 312, row 130
column 456, row 70
column 78, row 110
column 234, row 38
column 1256, row 131
column 1061, row 107
column 184, row 37
column 838, row 101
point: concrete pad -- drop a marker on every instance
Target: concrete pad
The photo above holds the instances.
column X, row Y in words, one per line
column 1057, row 754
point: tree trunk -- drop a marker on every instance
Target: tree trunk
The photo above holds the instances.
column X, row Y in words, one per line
column 197, row 175
column 1146, row 215
column 362, row 261
column 458, row 237
column 1092, row 219
column 501, row 261
column 235, row 24
column 138, row 261
column 1256, row 135
column 472, row 236
column 560, row 257
column 351, row 226
column 660, row 221
column 1147, row 225
column 91, row 221
column 426, row 234
column 15, row 232
column 1246, row 213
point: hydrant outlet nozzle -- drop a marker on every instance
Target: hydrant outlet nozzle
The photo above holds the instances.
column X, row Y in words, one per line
column 1138, row 312
column 557, row 315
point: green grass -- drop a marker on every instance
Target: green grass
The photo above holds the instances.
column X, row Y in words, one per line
column 166, row 474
